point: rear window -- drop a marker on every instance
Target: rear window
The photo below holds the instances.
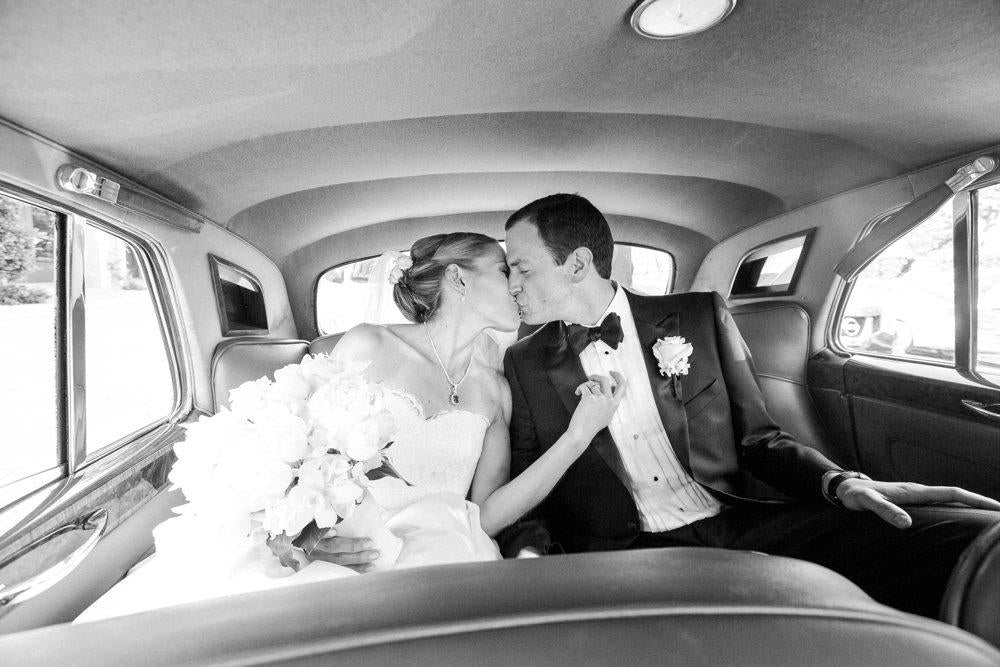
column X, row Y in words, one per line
column 771, row 269
column 346, row 295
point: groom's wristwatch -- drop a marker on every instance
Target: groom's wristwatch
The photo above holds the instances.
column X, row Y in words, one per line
column 832, row 481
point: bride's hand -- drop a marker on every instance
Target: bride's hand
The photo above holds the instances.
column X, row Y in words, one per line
column 599, row 398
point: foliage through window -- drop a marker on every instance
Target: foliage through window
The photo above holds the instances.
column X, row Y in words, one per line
column 902, row 303
column 28, row 335
column 346, row 295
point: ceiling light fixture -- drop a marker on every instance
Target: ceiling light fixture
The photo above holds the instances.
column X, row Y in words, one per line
column 670, row 19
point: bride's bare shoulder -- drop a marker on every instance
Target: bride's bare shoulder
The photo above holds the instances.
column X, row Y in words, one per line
column 368, row 341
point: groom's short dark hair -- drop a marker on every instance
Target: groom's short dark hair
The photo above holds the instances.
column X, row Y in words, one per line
column 567, row 222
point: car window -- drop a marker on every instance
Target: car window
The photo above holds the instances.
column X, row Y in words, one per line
column 28, row 339
column 129, row 382
column 988, row 274
column 770, row 269
column 902, row 303
column 352, row 293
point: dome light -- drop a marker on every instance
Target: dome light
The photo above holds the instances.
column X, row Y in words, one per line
column 670, row 19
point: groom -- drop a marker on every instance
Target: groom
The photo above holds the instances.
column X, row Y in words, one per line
column 671, row 468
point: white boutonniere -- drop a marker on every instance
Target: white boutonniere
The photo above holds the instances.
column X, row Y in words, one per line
column 672, row 352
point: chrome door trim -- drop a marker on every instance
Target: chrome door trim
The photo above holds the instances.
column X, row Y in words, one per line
column 75, row 327
column 96, row 521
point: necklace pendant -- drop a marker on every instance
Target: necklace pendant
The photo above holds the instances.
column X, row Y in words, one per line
column 454, row 397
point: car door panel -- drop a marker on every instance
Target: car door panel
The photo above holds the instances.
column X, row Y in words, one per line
column 136, row 499
column 907, row 421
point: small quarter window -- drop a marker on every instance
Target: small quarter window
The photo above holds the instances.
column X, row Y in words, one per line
column 771, row 269
column 240, row 299
column 129, row 381
column 29, row 330
column 902, row 304
column 643, row 270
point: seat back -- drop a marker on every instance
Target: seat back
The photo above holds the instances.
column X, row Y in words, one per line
column 972, row 599
column 237, row 360
column 777, row 333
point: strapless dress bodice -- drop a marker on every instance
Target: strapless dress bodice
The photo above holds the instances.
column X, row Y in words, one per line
column 433, row 453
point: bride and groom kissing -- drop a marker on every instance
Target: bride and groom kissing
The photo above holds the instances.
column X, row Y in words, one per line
column 624, row 422
column 606, row 430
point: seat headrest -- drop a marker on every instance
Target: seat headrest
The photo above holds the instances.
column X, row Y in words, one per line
column 238, row 360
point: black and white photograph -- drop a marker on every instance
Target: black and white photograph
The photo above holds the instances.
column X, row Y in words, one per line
column 513, row 332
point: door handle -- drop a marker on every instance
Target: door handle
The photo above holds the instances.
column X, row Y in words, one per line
column 988, row 410
column 96, row 521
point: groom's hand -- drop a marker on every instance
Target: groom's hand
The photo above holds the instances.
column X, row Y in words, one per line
column 357, row 553
column 885, row 498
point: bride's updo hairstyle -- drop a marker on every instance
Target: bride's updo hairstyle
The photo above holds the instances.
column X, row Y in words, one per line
column 418, row 291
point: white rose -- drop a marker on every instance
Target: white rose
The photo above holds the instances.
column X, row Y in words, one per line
column 281, row 434
column 290, row 514
column 672, row 353
column 363, row 441
column 249, row 398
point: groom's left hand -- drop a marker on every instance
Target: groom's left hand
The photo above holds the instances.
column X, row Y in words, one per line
column 885, row 498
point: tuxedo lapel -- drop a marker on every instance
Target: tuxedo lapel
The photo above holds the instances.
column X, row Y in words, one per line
column 650, row 327
column 566, row 373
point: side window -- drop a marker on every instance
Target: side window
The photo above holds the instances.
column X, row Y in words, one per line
column 988, row 274
column 129, row 384
column 355, row 292
column 902, row 303
column 771, row 269
column 29, row 331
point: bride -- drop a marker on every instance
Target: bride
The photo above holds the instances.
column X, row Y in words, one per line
column 442, row 378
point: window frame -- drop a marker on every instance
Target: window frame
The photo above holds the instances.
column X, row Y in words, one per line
column 214, row 261
column 768, row 291
column 965, row 240
column 87, row 473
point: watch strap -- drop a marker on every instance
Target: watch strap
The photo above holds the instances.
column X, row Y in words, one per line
column 833, row 483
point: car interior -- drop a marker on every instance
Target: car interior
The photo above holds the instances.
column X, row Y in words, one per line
column 193, row 195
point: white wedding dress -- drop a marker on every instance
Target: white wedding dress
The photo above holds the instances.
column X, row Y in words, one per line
column 436, row 454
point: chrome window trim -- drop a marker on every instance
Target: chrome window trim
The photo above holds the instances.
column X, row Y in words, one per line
column 44, row 487
column 161, row 294
column 75, row 327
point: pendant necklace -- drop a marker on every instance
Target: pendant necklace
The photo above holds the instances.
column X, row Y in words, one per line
column 453, row 398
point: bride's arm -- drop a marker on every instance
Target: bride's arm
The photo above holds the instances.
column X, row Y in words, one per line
column 502, row 502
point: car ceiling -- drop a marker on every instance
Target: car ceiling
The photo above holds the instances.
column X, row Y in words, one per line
column 291, row 121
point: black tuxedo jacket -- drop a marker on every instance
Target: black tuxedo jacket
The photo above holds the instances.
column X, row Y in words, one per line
column 714, row 417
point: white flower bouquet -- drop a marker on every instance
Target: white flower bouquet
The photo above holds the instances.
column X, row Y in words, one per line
column 290, row 458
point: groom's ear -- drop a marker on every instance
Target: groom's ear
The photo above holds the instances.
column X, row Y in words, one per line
column 579, row 263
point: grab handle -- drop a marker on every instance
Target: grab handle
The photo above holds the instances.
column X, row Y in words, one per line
column 96, row 521
column 991, row 411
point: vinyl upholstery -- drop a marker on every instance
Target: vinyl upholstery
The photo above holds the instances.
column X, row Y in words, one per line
column 972, row 599
column 777, row 333
column 238, row 360
column 687, row 605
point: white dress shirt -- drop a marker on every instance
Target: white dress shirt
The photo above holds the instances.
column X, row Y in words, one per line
column 666, row 496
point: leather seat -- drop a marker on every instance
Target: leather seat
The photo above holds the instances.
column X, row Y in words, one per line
column 682, row 605
column 237, row 360
column 972, row 599
column 777, row 333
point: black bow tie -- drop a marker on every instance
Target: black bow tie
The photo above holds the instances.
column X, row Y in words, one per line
column 610, row 331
